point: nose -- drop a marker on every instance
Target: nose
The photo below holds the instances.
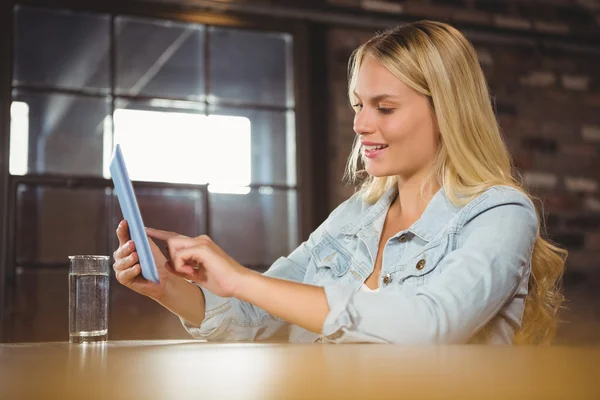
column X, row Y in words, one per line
column 363, row 122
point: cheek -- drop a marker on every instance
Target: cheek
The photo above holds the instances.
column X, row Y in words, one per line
column 412, row 141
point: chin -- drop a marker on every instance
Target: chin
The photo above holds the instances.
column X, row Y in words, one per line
column 379, row 172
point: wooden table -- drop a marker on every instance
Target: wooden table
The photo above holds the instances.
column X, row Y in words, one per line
column 191, row 369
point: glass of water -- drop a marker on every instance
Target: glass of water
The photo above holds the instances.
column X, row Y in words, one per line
column 88, row 298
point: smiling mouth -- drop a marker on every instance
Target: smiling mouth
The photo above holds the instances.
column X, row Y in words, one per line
column 375, row 147
column 374, row 151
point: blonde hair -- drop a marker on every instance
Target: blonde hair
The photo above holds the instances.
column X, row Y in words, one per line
column 437, row 61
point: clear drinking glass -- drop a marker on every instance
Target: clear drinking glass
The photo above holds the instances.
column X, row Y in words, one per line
column 88, row 298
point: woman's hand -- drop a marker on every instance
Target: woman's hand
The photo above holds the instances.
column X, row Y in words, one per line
column 128, row 271
column 202, row 261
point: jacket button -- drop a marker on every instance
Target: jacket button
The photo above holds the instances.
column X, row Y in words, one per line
column 421, row 264
column 387, row 279
column 403, row 238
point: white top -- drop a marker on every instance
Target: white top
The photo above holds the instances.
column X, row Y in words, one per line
column 365, row 288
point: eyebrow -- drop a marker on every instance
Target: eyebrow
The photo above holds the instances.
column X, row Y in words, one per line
column 377, row 98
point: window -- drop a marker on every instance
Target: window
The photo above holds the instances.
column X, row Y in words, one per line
column 206, row 118
column 183, row 148
column 19, row 137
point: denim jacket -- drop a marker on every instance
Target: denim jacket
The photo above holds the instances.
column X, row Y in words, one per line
column 457, row 275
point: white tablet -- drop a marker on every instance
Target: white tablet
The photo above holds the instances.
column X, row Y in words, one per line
column 131, row 213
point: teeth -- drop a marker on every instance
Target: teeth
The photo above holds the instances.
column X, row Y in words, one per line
column 377, row 147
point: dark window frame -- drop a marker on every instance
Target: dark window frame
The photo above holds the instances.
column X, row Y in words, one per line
column 9, row 184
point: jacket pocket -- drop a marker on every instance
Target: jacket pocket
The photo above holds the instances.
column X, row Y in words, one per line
column 331, row 260
column 423, row 266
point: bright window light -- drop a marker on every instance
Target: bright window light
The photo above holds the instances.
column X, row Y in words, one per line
column 183, row 148
column 19, row 138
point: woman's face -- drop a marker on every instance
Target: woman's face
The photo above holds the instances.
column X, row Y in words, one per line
column 395, row 123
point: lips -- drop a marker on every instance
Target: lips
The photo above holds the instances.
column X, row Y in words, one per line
column 373, row 150
column 375, row 146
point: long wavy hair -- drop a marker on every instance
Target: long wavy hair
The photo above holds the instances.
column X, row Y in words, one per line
column 437, row 61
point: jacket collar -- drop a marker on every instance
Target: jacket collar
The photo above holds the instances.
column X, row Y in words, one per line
column 438, row 213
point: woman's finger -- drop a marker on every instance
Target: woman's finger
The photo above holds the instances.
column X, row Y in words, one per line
column 124, row 250
column 180, row 242
column 127, row 276
column 161, row 235
column 123, row 232
column 186, row 275
column 188, row 259
column 125, row 263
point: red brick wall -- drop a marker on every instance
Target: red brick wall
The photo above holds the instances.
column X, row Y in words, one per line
column 547, row 98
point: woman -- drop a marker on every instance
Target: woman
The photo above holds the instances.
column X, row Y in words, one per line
column 440, row 244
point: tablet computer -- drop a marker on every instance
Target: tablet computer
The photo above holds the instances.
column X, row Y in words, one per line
column 131, row 213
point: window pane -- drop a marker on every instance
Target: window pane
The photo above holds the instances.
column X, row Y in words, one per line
column 61, row 49
column 54, row 223
column 19, row 137
column 151, row 320
column 176, row 210
column 150, row 134
column 273, row 139
column 159, row 58
column 182, row 145
column 160, row 146
column 65, row 133
column 251, row 67
column 255, row 228
column 41, row 305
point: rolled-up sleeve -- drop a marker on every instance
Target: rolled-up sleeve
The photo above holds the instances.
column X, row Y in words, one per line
column 492, row 256
column 216, row 315
column 229, row 319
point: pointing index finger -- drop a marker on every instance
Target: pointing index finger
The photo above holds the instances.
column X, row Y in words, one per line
column 160, row 234
column 187, row 260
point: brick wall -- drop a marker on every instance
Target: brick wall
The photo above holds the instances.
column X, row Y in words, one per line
column 548, row 16
column 547, row 104
column 547, row 99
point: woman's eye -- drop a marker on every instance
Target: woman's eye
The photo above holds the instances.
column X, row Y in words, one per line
column 385, row 110
column 357, row 107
